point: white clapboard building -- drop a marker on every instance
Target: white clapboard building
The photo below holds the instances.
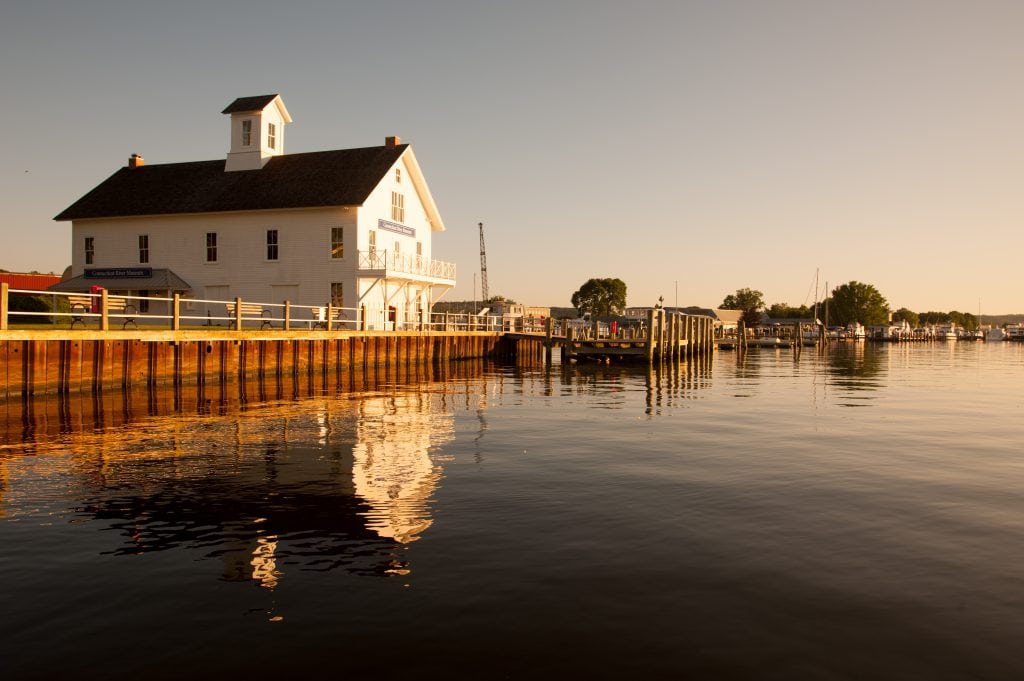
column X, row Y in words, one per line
column 351, row 228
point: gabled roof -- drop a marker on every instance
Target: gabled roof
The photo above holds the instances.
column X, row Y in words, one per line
column 319, row 179
column 243, row 104
column 257, row 103
column 729, row 316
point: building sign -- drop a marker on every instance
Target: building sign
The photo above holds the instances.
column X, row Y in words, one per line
column 395, row 227
column 119, row 273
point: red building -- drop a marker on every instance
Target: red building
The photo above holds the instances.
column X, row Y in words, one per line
column 28, row 282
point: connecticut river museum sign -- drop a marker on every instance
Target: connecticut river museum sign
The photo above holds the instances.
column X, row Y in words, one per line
column 119, row 273
column 395, row 227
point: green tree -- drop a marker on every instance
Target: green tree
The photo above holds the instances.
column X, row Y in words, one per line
column 932, row 317
column 784, row 311
column 964, row 319
column 857, row 302
column 601, row 297
column 748, row 300
column 23, row 302
column 911, row 317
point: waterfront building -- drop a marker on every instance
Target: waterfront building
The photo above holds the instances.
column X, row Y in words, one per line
column 350, row 228
column 726, row 321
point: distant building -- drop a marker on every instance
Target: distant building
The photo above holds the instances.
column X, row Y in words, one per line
column 728, row 320
column 504, row 309
column 29, row 282
column 349, row 227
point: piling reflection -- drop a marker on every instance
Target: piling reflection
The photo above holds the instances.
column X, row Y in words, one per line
column 666, row 384
column 266, row 489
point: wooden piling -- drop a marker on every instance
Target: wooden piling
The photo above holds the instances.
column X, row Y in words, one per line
column 649, row 350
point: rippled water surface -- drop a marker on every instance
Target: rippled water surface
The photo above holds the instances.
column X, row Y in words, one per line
column 854, row 515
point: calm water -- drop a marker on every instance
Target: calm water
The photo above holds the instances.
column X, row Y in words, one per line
column 858, row 515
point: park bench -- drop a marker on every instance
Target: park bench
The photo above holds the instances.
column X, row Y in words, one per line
column 319, row 315
column 250, row 311
column 81, row 307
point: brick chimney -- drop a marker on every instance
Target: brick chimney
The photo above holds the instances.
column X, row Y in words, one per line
column 392, row 142
column 136, row 161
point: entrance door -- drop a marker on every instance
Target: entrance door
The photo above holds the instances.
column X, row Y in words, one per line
column 282, row 292
column 222, row 294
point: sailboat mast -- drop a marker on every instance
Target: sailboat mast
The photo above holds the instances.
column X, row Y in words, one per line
column 816, row 295
column 826, row 308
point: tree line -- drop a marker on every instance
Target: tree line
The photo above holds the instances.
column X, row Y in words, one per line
column 848, row 303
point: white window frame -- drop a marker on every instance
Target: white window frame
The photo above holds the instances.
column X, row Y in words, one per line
column 90, row 250
column 398, row 206
column 273, row 251
column 247, row 132
column 211, row 248
column 143, row 249
column 271, row 136
column 337, row 243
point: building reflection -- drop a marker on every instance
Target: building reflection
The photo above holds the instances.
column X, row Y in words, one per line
column 393, row 472
column 339, row 482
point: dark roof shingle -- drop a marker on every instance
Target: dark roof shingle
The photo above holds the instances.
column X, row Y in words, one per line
column 243, row 104
column 344, row 177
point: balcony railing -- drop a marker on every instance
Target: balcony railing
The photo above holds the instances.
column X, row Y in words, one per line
column 395, row 263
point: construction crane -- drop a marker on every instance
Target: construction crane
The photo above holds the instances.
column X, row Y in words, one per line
column 483, row 266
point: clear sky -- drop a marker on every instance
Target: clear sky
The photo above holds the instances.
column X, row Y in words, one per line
column 686, row 146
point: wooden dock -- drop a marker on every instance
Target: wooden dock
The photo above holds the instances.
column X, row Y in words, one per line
column 667, row 337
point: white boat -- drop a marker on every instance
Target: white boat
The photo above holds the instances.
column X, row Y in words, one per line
column 894, row 332
column 1015, row 332
column 856, row 331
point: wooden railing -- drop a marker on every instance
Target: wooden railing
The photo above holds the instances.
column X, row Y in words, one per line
column 100, row 310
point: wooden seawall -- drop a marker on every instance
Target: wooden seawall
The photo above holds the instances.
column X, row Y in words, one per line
column 53, row 362
column 39, row 362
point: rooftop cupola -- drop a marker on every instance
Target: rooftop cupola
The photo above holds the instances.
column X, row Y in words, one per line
column 257, row 131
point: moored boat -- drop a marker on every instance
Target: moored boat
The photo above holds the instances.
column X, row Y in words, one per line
column 856, row 331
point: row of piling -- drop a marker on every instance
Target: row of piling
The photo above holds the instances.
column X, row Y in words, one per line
column 39, row 363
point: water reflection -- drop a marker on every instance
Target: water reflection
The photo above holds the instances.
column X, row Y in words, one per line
column 264, row 488
column 855, row 366
column 666, row 384
column 393, row 471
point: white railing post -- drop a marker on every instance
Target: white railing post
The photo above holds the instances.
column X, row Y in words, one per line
column 104, row 311
column 4, row 288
